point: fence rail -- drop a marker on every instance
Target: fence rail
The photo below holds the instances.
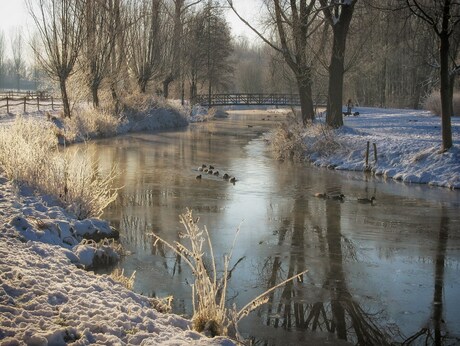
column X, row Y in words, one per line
column 34, row 100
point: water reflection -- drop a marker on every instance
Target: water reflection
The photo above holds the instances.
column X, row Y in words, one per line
column 381, row 274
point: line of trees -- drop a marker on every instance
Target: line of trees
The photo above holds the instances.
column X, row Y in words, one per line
column 390, row 54
column 127, row 46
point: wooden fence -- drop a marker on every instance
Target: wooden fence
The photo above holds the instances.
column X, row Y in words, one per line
column 28, row 101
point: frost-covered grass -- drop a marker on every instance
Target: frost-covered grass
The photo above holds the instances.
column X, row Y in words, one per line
column 287, row 140
column 433, row 103
column 29, row 153
column 408, row 146
column 88, row 122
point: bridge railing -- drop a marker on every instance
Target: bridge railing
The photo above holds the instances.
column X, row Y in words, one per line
column 248, row 99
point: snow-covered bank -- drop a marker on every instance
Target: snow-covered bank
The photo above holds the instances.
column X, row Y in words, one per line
column 45, row 299
column 407, row 142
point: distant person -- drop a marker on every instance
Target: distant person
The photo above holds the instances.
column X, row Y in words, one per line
column 349, row 107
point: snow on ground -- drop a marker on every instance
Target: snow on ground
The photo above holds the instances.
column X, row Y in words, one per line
column 45, row 299
column 408, row 144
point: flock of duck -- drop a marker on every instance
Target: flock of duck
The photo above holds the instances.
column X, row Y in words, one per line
column 341, row 197
column 210, row 170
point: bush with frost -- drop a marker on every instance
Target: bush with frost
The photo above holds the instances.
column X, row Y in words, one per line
column 30, row 154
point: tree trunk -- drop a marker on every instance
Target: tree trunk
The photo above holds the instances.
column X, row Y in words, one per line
column 65, row 98
column 166, row 83
column 446, row 99
column 334, row 117
column 95, row 95
column 306, row 100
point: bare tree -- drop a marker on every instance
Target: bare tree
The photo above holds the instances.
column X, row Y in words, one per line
column 17, row 47
column 59, row 24
column 146, row 43
column 295, row 22
column 208, row 50
column 338, row 14
column 443, row 16
column 175, row 42
column 101, row 32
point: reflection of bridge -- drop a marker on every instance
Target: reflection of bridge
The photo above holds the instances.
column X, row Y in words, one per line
column 248, row 99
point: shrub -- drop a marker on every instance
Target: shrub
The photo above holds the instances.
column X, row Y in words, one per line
column 433, row 103
column 29, row 154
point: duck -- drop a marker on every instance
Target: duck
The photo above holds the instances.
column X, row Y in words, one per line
column 210, row 171
column 216, row 173
column 203, row 166
column 200, row 169
column 225, row 176
column 211, row 167
column 338, row 197
column 366, row 200
column 206, row 170
column 321, row 195
column 198, row 177
column 232, row 180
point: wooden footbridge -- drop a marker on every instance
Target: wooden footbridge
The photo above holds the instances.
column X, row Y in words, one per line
column 248, row 100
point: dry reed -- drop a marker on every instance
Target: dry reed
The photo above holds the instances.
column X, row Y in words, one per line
column 210, row 314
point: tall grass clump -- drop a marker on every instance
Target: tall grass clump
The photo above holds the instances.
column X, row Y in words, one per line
column 209, row 292
column 88, row 122
column 29, row 153
column 432, row 103
column 287, row 140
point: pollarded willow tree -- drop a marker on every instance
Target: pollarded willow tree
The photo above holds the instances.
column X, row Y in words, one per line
column 295, row 23
column 174, row 49
column 146, row 43
column 102, row 29
column 60, row 29
column 443, row 16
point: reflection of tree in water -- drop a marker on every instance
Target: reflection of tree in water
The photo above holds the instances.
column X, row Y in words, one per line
column 435, row 333
column 333, row 309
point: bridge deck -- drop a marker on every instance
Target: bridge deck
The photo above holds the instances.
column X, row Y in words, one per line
column 248, row 99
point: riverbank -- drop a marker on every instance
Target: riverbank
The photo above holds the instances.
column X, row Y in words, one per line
column 45, row 295
column 404, row 145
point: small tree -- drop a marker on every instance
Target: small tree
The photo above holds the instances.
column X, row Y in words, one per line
column 17, row 48
column 59, row 25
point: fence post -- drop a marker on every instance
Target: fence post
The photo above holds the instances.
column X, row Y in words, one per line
column 367, row 155
column 25, row 101
column 38, row 104
column 52, row 103
column 7, row 105
column 375, row 152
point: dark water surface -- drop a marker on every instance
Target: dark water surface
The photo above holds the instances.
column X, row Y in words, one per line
column 378, row 274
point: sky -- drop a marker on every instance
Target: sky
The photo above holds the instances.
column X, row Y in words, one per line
column 13, row 13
